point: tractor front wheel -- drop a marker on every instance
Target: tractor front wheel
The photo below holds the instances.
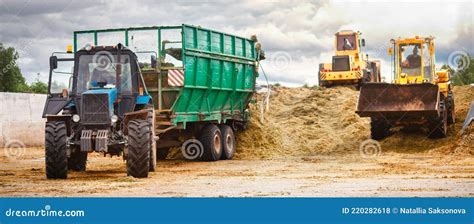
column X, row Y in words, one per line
column 77, row 160
column 139, row 148
column 56, row 150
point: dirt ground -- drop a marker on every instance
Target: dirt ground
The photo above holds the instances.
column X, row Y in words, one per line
column 309, row 144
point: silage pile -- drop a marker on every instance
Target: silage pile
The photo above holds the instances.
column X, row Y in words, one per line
column 305, row 121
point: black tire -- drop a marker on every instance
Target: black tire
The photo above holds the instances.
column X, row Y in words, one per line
column 56, row 150
column 321, row 83
column 162, row 153
column 379, row 129
column 439, row 125
column 151, row 122
column 138, row 158
column 450, row 107
column 77, row 161
column 211, row 141
column 228, row 142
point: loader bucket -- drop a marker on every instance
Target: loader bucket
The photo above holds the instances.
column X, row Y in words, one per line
column 469, row 118
column 397, row 101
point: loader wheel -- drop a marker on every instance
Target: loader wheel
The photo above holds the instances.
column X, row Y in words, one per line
column 151, row 122
column 228, row 142
column 139, row 148
column 439, row 126
column 55, row 150
column 450, row 107
column 162, row 153
column 77, row 161
column 379, row 129
column 212, row 143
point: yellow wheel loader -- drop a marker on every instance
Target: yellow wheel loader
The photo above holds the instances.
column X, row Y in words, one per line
column 417, row 96
column 348, row 66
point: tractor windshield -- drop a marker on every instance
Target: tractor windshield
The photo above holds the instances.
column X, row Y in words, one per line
column 99, row 71
column 410, row 59
column 346, row 42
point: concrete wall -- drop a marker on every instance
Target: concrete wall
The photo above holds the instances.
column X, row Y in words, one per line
column 20, row 118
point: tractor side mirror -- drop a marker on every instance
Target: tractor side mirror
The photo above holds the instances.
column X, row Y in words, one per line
column 53, row 62
column 153, row 61
column 363, row 42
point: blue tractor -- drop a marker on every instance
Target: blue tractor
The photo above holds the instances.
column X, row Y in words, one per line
column 106, row 109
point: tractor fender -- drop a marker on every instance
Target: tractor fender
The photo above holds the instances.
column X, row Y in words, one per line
column 61, row 117
column 139, row 114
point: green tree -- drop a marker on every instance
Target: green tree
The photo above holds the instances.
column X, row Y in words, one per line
column 11, row 79
column 39, row 87
column 463, row 75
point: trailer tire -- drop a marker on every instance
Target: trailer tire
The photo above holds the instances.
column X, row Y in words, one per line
column 211, row 140
column 139, row 148
column 228, row 142
column 439, row 125
column 379, row 129
column 162, row 153
column 56, row 150
column 77, row 161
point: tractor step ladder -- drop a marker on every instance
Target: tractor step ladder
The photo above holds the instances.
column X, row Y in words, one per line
column 163, row 121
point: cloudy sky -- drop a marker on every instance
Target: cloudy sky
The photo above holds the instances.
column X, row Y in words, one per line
column 296, row 35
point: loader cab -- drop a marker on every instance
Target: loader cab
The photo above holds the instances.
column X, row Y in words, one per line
column 414, row 60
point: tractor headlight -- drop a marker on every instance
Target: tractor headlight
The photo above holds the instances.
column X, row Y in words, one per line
column 114, row 118
column 76, row 118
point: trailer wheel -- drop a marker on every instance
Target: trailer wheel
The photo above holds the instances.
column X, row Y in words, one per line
column 55, row 150
column 151, row 122
column 228, row 142
column 379, row 129
column 450, row 107
column 162, row 153
column 139, row 148
column 212, row 143
column 439, row 125
column 77, row 161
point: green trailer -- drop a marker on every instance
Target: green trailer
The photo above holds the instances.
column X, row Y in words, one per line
column 201, row 96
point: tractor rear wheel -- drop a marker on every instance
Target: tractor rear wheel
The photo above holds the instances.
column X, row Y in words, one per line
column 56, row 150
column 77, row 160
column 139, row 148
column 212, row 143
column 379, row 128
column 228, row 142
column 439, row 125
